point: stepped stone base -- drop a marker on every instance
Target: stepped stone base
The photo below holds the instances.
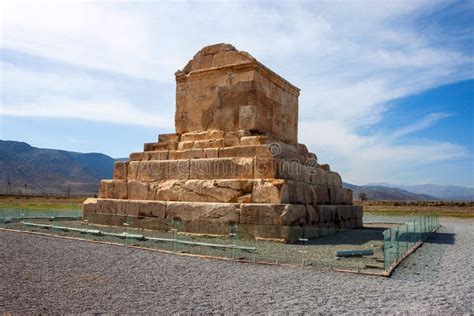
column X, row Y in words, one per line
column 234, row 159
column 281, row 222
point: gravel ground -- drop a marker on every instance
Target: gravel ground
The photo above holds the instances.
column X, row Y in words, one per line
column 50, row 275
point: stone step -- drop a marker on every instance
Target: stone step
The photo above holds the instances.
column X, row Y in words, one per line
column 194, row 141
column 224, row 168
column 220, row 139
column 167, row 145
column 219, row 152
column 229, row 191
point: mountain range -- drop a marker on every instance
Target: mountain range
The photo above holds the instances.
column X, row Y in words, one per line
column 378, row 192
column 443, row 192
column 32, row 170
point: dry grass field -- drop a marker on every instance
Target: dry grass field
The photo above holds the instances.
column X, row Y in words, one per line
column 443, row 208
column 41, row 202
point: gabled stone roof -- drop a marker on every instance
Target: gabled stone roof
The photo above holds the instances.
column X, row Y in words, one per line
column 218, row 55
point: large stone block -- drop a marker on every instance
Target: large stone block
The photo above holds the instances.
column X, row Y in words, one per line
column 156, row 170
column 261, row 214
column 273, row 214
column 183, row 145
column 120, row 170
column 357, row 211
column 138, row 190
column 89, row 206
column 286, row 151
column 318, row 177
column 344, row 212
column 108, row 206
column 269, row 191
column 333, row 179
column 222, row 168
column 254, row 140
column 277, row 168
column 192, row 190
column 155, row 155
column 294, row 214
column 136, row 156
column 171, row 145
column 312, row 217
column 211, row 152
column 266, row 168
column 320, row 195
column 296, row 192
column 336, row 195
column 214, row 190
column 195, row 136
column 113, row 189
column 162, row 138
column 167, row 190
column 209, row 143
column 273, row 233
column 187, row 154
column 231, row 139
column 149, row 208
column 238, row 151
column 326, row 213
column 247, row 116
column 347, row 198
column 131, row 208
column 210, row 212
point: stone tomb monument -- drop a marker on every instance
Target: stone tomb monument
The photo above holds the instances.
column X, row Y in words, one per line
column 234, row 158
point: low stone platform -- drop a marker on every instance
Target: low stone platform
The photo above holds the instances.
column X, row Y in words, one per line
column 257, row 220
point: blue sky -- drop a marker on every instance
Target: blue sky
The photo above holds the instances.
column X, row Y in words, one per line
column 386, row 87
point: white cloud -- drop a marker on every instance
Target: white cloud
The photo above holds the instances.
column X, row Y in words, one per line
column 113, row 112
column 75, row 95
column 426, row 122
column 380, row 157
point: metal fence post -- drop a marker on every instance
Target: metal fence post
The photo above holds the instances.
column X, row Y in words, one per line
column 426, row 228
column 422, row 229
column 384, row 250
column 398, row 243
column 303, row 252
column 233, row 235
column 126, row 232
column 406, row 237
column 414, row 233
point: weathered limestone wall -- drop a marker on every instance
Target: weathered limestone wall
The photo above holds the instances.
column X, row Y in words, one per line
column 222, row 88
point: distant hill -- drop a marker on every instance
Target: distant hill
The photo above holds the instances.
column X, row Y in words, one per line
column 378, row 192
column 51, row 171
column 443, row 192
